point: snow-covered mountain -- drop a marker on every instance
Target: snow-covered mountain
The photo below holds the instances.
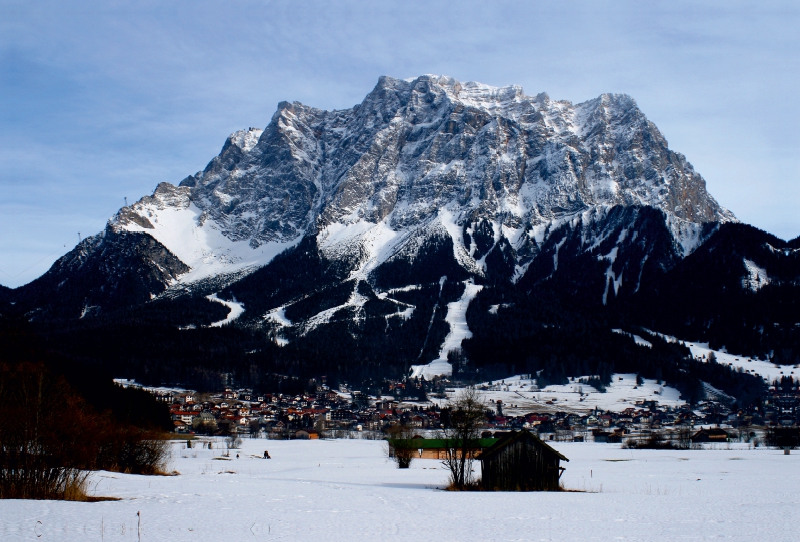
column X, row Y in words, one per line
column 387, row 219
column 422, row 157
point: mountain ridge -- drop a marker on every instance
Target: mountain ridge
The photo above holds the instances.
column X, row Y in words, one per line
column 311, row 170
column 365, row 227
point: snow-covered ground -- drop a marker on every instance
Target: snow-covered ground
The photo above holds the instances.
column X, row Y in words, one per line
column 459, row 330
column 765, row 369
column 347, row 490
column 125, row 383
column 637, row 339
column 520, row 395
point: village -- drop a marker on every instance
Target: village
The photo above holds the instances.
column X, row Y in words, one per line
column 422, row 406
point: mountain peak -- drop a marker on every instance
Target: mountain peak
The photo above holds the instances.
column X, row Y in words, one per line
column 430, row 152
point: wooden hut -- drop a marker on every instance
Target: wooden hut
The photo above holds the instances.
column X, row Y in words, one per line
column 521, row 461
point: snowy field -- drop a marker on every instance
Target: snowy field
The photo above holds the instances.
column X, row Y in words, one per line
column 347, row 490
column 520, row 396
column 765, row 369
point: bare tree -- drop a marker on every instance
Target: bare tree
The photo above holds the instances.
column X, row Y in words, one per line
column 461, row 435
column 401, row 445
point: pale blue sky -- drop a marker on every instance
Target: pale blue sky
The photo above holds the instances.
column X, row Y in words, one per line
column 101, row 100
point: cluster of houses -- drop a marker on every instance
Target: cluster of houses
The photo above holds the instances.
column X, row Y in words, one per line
column 647, row 417
column 308, row 415
column 289, row 416
column 512, row 448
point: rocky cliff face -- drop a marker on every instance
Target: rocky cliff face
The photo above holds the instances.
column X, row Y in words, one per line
column 414, row 147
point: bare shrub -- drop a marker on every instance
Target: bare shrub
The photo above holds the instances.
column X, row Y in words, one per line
column 134, row 451
column 400, row 445
column 472, row 485
column 25, row 476
column 42, row 451
column 654, row 441
column 50, row 438
column 233, row 442
column 75, row 488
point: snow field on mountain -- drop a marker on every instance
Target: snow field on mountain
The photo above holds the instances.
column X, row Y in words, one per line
column 204, row 248
column 460, row 253
column 278, row 316
column 355, row 301
column 347, row 490
column 457, row 318
column 756, row 278
column 377, row 242
column 521, row 396
column 765, row 369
